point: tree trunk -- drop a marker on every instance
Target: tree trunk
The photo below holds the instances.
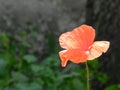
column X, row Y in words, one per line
column 104, row 16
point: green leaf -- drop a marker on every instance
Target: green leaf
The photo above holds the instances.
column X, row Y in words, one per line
column 78, row 84
column 94, row 64
column 27, row 86
column 102, row 77
column 113, row 87
column 3, row 65
column 52, row 44
column 23, row 35
column 52, row 60
column 4, row 39
column 17, row 76
column 30, row 58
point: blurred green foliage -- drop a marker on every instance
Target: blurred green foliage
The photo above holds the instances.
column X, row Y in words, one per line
column 113, row 87
column 20, row 70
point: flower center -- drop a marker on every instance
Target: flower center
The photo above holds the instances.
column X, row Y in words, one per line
column 87, row 52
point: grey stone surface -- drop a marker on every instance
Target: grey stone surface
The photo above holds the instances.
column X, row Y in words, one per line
column 48, row 16
column 64, row 10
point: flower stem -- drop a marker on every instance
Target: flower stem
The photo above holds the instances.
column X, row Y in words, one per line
column 87, row 76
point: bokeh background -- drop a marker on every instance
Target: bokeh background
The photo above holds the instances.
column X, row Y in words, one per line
column 29, row 32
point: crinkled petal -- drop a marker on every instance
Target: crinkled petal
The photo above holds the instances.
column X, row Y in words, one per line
column 97, row 48
column 68, row 41
column 84, row 35
column 74, row 55
column 81, row 37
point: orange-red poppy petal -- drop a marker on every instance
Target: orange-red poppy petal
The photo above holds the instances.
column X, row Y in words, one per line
column 81, row 37
column 84, row 35
column 74, row 55
column 67, row 41
column 97, row 48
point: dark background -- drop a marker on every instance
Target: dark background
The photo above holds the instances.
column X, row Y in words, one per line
column 105, row 17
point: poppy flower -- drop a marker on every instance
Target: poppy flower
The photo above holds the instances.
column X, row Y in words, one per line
column 79, row 45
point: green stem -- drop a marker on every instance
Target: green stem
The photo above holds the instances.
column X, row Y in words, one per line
column 87, row 76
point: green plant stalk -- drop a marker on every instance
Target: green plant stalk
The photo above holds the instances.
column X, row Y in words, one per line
column 20, row 62
column 20, row 65
column 87, row 76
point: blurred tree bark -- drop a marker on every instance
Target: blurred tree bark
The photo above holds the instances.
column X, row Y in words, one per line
column 104, row 16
